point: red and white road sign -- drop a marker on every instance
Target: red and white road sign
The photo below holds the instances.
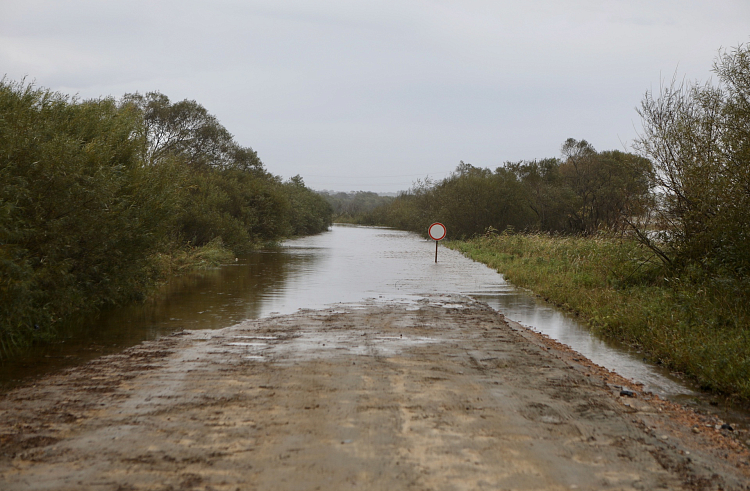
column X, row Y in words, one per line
column 437, row 231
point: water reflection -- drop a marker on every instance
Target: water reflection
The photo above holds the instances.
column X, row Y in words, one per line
column 540, row 316
column 209, row 299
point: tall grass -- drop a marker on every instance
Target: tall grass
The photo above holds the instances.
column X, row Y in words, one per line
column 693, row 324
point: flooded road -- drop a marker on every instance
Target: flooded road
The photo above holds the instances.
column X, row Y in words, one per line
column 347, row 264
column 351, row 358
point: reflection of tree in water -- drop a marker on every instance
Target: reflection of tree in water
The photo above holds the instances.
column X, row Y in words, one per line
column 210, row 299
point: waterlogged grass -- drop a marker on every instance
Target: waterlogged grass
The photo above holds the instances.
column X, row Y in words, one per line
column 695, row 325
column 191, row 258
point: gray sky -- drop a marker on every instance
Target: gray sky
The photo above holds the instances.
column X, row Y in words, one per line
column 371, row 95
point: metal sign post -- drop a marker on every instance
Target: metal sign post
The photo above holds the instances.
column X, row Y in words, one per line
column 437, row 233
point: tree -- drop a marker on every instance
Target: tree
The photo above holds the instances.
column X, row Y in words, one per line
column 80, row 215
column 309, row 213
column 545, row 192
column 609, row 187
column 186, row 130
column 698, row 137
column 355, row 206
column 94, row 193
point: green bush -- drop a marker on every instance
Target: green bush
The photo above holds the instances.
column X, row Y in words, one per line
column 95, row 194
column 310, row 213
column 80, row 213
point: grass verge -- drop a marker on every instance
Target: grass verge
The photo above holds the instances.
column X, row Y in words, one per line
column 694, row 325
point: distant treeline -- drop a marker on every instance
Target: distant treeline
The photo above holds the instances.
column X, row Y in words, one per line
column 583, row 192
column 97, row 198
column 355, row 207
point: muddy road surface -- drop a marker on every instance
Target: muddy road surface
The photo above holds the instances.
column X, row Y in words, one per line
column 438, row 394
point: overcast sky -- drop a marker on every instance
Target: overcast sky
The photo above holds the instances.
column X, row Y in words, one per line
column 371, row 95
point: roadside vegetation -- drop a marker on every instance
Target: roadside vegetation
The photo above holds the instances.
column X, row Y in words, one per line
column 651, row 247
column 100, row 199
column 696, row 325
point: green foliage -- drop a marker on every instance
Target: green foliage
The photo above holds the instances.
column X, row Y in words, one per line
column 228, row 194
column 243, row 209
column 184, row 129
column 80, row 212
column 473, row 199
column 310, row 212
column 699, row 328
column 546, row 194
column 95, row 194
column 607, row 187
column 587, row 192
column 249, row 209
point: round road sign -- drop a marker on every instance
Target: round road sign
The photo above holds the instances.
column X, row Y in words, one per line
column 436, row 231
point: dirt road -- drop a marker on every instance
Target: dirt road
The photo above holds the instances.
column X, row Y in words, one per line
column 440, row 394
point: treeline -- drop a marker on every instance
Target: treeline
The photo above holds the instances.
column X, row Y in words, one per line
column 97, row 198
column 583, row 192
column 685, row 194
column 355, row 207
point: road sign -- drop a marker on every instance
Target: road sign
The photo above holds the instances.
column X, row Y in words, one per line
column 436, row 231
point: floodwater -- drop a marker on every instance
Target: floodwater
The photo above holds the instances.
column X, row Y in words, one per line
column 347, row 264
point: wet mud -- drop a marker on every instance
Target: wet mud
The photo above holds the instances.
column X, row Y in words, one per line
column 438, row 394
